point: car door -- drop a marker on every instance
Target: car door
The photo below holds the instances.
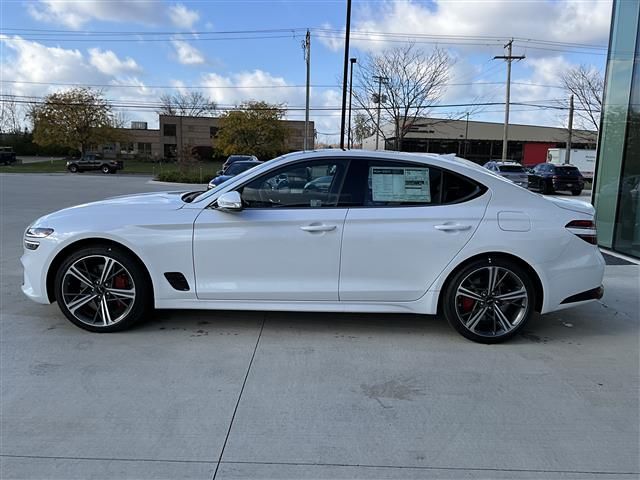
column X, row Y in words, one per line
column 534, row 179
column 285, row 243
column 414, row 219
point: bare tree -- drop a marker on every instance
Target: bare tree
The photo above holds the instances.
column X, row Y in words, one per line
column 412, row 82
column 586, row 84
column 190, row 104
column 10, row 121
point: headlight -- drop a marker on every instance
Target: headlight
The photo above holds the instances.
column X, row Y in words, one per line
column 38, row 232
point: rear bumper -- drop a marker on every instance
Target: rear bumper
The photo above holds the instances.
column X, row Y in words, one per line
column 572, row 279
column 568, row 185
column 593, row 294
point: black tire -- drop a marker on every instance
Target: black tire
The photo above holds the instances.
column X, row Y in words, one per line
column 73, row 168
column 105, row 169
column 450, row 308
column 142, row 304
column 547, row 187
column 575, row 193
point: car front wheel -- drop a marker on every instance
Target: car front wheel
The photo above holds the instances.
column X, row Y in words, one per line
column 575, row 193
column 489, row 300
column 73, row 168
column 105, row 169
column 102, row 289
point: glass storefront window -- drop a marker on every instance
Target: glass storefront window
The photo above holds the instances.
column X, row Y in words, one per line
column 627, row 232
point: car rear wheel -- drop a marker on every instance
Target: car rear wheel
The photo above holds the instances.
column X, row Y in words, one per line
column 547, row 187
column 102, row 289
column 575, row 193
column 489, row 300
column 105, row 169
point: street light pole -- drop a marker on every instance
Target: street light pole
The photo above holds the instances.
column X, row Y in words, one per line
column 349, row 141
column 344, row 76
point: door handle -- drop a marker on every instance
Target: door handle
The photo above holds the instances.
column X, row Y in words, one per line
column 452, row 227
column 318, row 228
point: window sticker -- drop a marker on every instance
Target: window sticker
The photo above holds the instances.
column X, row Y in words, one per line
column 397, row 184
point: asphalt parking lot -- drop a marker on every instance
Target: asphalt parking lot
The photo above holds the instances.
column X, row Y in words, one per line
column 225, row 395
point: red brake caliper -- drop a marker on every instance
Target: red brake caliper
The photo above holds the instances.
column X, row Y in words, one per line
column 467, row 304
column 120, row 282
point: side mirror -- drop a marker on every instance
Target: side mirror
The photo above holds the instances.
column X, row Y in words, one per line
column 230, row 202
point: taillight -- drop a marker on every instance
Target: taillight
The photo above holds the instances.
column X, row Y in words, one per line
column 585, row 229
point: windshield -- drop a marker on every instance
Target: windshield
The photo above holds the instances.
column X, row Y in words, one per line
column 511, row 168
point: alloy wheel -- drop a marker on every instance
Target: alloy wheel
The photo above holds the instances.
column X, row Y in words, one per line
column 491, row 301
column 98, row 290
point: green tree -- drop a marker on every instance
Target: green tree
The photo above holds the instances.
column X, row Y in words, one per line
column 255, row 128
column 76, row 118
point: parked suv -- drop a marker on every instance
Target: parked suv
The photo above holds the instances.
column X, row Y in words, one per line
column 233, row 170
column 510, row 170
column 94, row 162
column 7, row 155
column 238, row 158
column 549, row 178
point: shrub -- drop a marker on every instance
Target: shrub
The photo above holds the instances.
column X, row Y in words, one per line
column 178, row 176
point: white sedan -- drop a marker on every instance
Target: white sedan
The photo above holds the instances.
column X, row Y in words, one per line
column 330, row 231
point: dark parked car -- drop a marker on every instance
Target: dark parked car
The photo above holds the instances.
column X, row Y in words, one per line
column 238, row 158
column 549, row 178
column 232, row 170
column 7, row 155
column 94, row 162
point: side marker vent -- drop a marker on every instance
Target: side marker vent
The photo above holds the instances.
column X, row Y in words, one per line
column 177, row 281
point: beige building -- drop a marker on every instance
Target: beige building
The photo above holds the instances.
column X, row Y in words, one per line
column 196, row 134
column 482, row 141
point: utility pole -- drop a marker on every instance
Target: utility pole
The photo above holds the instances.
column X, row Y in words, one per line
column 509, row 58
column 349, row 141
column 466, row 136
column 378, row 100
column 307, row 55
column 567, row 155
column 346, row 69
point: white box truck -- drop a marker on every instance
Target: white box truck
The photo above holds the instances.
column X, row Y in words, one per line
column 585, row 160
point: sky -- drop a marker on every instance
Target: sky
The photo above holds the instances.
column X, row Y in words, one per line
column 238, row 50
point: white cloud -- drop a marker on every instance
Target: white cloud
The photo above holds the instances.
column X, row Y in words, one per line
column 108, row 62
column 182, row 17
column 75, row 14
column 186, row 53
column 250, row 85
column 576, row 21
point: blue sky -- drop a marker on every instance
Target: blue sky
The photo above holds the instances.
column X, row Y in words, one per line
column 46, row 44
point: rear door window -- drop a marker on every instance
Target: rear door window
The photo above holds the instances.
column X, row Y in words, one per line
column 379, row 183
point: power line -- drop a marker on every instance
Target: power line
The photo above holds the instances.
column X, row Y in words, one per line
column 215, row 87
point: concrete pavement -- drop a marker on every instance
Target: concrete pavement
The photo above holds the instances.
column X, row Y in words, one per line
column 196, row 394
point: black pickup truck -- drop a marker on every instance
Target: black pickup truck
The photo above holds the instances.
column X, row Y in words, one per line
column 94, row 162
column 7, row 155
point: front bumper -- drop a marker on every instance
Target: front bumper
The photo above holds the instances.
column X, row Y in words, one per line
column 35, row 264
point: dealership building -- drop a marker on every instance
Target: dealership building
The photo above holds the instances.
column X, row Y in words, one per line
column 616, row 193
column 482, row 141
column 179, row 133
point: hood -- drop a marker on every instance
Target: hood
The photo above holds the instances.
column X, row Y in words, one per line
column 572, row 205
column 120, row 206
